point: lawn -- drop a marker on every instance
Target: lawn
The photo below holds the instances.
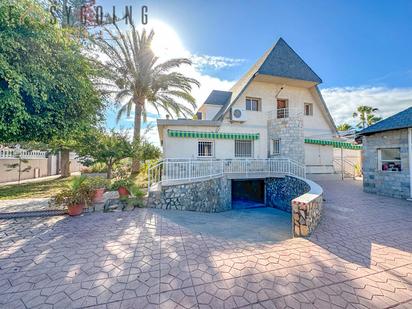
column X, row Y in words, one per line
column 33, row 190
column 47, row 188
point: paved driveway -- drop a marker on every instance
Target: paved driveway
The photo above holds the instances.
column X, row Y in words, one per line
column 359, row 257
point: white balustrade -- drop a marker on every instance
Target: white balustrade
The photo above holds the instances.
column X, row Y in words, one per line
column 7, row 153
column 173, row 171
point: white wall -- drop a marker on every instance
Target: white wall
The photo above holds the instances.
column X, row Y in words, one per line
column 209, row 111
column 315, row 126
column 177, row 147
column 318, row 159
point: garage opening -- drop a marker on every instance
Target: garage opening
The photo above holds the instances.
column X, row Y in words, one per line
column 248, row 193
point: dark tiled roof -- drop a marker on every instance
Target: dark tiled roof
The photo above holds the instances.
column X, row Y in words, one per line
column 398, row 121
column 283, row 61
column 217, row 97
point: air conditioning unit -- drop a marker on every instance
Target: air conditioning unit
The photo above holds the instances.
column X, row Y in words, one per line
column 238, row 114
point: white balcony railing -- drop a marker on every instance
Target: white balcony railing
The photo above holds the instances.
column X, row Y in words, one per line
column 284, row 113
column 172, row 171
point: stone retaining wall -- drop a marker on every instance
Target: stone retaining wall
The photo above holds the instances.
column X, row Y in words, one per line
column 307, row 210
column 281, row 191
column 213, row 195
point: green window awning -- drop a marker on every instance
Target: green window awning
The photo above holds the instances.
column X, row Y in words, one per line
column 213, row 135
column 335, row 144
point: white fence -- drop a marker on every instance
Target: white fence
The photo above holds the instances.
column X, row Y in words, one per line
column 7, row 153
column 172, row 171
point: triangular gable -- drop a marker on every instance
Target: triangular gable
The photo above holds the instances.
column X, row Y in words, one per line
column 280, row 60
column 241, row 84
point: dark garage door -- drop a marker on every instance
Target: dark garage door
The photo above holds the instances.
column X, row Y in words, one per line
column 250, row 192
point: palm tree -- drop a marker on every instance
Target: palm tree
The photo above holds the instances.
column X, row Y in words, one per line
column 366, row 116
column 137, row 79
column 371, row 119
column 344, row 127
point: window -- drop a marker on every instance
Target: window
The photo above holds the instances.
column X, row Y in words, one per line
column 205, row 149
column 276, row 146
column 282, row 109
column 243, row 149
column 253, row 104
column 389, row 159
column 308, row 109
column 199, row 115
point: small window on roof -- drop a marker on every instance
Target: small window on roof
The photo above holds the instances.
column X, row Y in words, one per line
column 199, row 115
column 253, row 104
column 308, row 109
column 282, row 108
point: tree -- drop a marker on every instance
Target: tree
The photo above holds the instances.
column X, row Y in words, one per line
column 366, row 116
column 100, row 147
column 144, row 150
column 371, row 119
column 46, row 88
column 137, row 79
column 344, row 127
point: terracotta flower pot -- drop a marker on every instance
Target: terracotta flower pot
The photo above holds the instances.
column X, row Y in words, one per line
column 75, row 210
column 123, row 192
column 98, row 195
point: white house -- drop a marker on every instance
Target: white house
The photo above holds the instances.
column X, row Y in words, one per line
column 274, row 110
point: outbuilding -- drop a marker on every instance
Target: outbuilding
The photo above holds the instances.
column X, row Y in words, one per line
column 387, row 156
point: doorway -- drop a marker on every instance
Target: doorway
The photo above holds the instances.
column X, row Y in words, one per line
column 248, row 193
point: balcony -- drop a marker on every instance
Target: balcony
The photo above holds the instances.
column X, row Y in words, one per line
column 284, row 113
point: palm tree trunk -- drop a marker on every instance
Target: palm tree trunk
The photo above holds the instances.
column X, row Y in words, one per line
column 136, row 134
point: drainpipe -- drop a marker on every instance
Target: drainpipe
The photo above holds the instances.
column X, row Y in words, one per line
column 410, row 161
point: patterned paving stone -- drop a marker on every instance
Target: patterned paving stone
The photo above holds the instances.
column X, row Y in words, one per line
column 359, row 257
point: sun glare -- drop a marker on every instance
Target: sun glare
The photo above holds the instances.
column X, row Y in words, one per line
column 166, row 43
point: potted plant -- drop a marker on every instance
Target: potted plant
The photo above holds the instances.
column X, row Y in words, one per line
column 99, row 186
column 122, row 186
column 136, row 197
column 76, row 197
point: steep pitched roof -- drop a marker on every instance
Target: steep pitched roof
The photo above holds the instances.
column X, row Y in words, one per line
column 280, row 60
column 283, row 61
column 218, row 97
column 400, row 120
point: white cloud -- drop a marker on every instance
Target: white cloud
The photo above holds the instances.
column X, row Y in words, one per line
column 342, row 102
column 215, row 62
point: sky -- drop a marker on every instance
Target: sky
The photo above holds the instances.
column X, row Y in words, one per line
column 360, row 49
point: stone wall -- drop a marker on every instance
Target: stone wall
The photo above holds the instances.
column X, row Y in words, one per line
column 290, row 132
column 213, row 195
column 306, row 214
column 394, row 184
column 281, row 191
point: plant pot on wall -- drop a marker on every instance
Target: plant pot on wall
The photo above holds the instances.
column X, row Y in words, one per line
column 98, row 195
column 123, row 192
column 75, row 210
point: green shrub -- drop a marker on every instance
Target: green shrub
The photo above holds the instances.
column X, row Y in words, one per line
column 98, row 182
column 125, row 182
column 78, row 192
